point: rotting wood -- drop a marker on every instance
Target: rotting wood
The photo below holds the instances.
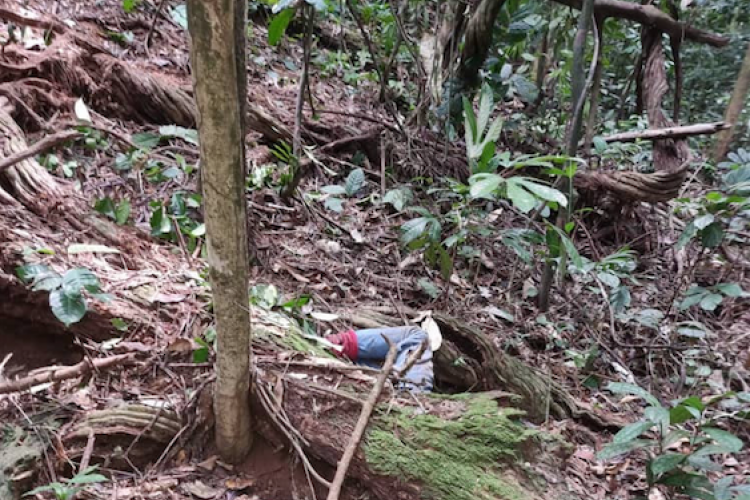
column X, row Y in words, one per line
column 68, row 372
column 668, row 132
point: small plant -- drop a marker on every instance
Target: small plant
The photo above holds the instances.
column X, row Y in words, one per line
column 681, row 441
column 355, row 181
column 181, row 213
column 118, row 212
column 710, row 298
column 66, row 299
column 70, row 488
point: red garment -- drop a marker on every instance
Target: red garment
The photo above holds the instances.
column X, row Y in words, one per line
column 348, row 340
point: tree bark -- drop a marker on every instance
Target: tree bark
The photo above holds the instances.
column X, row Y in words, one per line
column 217, row 29
column 736, row 103
column 668, row 133
column 648, row 15
column 477, row 42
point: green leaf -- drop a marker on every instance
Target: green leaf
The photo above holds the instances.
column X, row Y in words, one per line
column 521, row 199
column 429, row 288
column 673, row 437
column 88, row 479
column 620, row 298
column 729, row 441
column 78, row 279
column 711, row 301
column 279, row 24
column 703, row 221
column 200, row 355
column 624, row 388
column 485, row 107
column 105, row 206
column 189, row 135
column 122, row 212
column 613, row 450
column 146, row 140
column 119, row 324
column 470, row 125
column 632, row 431
column 129, row 5
column 68, row 309
column 413, row 229
column 570, row 248
column 29, row 272
column 484, row 185
column 665, row 463
column 355, row 181
column 600, row 145
column 730, row 289
column 297, row 302
column 544, row 192
column 446, row 263
column 334, row 204
column 179, row 15
column 712, row 236
column 609, row 279
column 398, row 198
column 660, row 416
column 47, row 282
column 687, row 234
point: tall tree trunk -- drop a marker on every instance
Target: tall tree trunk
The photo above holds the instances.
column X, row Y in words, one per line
column 736, row 103
column 217, row 32
column 595, row 91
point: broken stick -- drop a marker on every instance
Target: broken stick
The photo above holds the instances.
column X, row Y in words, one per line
column 65, row 373
column 48, row 142
column 364, row 419
column 668, row 133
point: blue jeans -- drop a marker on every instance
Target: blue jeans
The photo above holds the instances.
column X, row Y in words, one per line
column 372, row 350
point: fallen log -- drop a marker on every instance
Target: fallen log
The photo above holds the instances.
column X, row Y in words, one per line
column 649, row 15
column 668, row 132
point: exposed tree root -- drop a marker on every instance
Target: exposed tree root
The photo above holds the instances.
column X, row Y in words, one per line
column 634, row 186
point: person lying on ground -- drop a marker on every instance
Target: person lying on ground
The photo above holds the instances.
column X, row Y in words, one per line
column 369, row 348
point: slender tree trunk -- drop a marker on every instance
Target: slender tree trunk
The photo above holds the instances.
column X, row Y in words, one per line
column 595, row 91
column 736, row 103
column 477, row 42
column 578, row 93
column 217, row 29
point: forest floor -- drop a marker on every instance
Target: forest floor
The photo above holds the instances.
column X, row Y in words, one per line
column 344, row 261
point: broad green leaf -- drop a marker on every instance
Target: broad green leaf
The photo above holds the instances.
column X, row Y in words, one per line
column 729, row 441
column 484, row 185
column 146, row 140
column 198, row 231
column 613, row 450
column 92, row 248
column 105, row 206
column 703, row 221
column 334, row 204
column 189, row 135
column 413, row 229
column 712, row 235
column 200, row 355
column 704, row 462
column 493, row 133
column 88, row 479
column 129, row 5
column 68, row 309
column 265, row 296
column 446, row 263
column 609, row 279
column 666, row 463
column 470, row 126
column 730, row 289
column 632, row 431
column 47, row 282
column 79, row 279
column 178, row 14
column 624, row 388
column 721, row 488
column 429, row 288
column 620, row 298
column 544, row 192
column 398, row 198
column 521, row 199
column 660, row 416
column 600, row 145
column 122, row 212
column 355, row 181
column 29, row 272
column 682, row 413
column 711, row 301
column 570, row 248
column 673, row 437
column 119, row 324
column 687, row 234
column 485, row 107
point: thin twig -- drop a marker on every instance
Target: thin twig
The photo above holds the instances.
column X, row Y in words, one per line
column 364, row 419
column 153, row 23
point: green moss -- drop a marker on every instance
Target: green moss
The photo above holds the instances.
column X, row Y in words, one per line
column 459, row 459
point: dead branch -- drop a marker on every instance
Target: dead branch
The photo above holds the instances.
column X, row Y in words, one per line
column 68, row 372
column 649, row 15
column 668, row 132
column 364, row 419
column 48, row 142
